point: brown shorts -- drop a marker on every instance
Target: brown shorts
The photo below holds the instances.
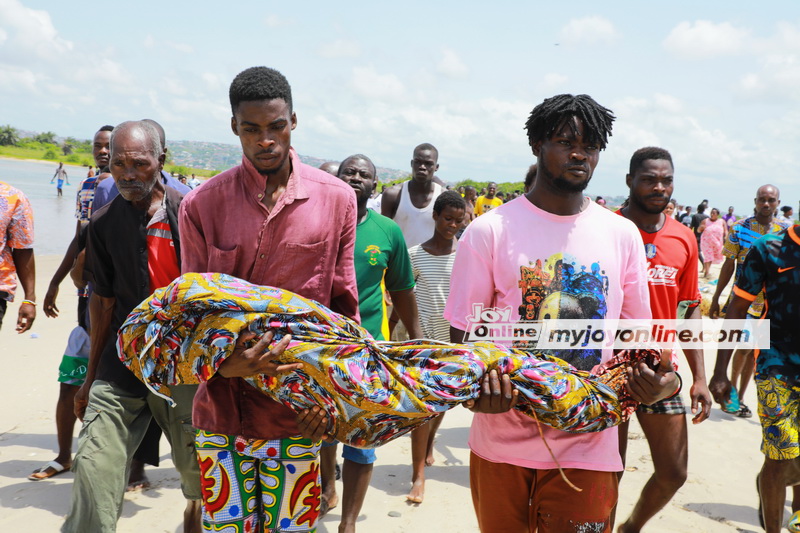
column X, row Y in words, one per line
column 515, row 499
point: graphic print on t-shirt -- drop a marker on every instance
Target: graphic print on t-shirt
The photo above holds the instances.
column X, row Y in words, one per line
column 562, row 288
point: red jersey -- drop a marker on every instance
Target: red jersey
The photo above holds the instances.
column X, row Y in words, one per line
column 672, row 268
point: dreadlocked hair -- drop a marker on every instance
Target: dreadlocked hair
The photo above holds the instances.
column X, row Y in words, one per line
column 551, row 114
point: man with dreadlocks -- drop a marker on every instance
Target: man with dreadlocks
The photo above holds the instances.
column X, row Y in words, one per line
column 566, row 268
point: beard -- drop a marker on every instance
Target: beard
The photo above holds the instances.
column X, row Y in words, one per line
column 567, row 186
column 639, row 202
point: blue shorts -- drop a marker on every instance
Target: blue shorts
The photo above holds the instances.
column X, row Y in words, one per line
column 362, row 456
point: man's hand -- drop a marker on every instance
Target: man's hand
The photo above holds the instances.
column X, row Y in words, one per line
column 81, row 400
column 25, row 317
column 700, row 394
column 649, row 386
column 713, row 309
column 498, row 395
column 313, row 424
column 720, row 388
column 49, row 305
column 256, row 360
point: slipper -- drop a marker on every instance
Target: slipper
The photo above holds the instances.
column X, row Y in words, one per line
column 51, row 469
column 794, row 523
column 732, row 406
column 324, row 506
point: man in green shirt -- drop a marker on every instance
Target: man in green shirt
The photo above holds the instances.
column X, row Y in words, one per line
column 381, row 263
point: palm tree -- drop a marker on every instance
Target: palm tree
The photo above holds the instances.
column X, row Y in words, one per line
column 8, row 136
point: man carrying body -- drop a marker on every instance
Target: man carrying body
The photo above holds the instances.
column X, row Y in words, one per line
column 515, row 483
column 489, row 201
column 271, row 221
column 671, row 252
column 741, row 237
column 772, row 267
column 410, row 204
column 132, row 249
column 381, row 260
column 16, row 255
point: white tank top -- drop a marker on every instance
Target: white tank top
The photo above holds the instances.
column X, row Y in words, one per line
column 417, row 224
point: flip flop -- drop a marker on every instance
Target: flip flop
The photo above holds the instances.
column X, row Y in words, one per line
column 54, row 466
column 732, row 406
column 324, row 506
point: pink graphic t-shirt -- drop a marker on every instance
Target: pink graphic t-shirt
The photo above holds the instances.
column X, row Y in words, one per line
column 539, row 265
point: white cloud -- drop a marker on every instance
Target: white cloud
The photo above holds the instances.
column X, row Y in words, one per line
column 553, row 81
column 588, row 30
column 704, row 39
column 274, row 21
column 340, row 48
column 451, row 65
column 367, row 82
column 181, row 47
column 779, row 76
column 29, row 34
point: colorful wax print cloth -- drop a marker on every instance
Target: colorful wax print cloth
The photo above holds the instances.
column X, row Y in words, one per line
column 285, row 476
column 373, row 391
column 16, row 232
column 740, row 239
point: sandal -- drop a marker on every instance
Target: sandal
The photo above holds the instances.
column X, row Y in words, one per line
column 732, row 406
column 48, row 470
column 745, row 412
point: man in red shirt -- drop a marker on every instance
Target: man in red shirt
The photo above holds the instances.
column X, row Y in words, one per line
column 671, row 252
column 272, row 221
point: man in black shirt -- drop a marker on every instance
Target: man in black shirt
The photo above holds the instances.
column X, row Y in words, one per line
column 132, row 249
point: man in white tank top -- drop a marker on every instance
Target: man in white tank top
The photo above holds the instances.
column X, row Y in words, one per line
column 410, row 204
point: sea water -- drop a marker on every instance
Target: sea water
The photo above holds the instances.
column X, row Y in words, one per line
column 53, row 217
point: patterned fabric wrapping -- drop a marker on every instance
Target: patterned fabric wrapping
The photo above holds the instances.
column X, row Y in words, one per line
column 373, row 391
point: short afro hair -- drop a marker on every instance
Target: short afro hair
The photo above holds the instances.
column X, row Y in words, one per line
column 259, row 83
column 107, row 127
column 448, row 199
column 358, row 157
column 547, row 117
column 427, row 146
column 648, row 152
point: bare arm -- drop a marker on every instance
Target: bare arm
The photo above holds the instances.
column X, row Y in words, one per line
column 101, row 311
column 405, row 304
column 720, row 385
column 50, row 308
column 390, row 200
column 26, row 272
column 699, row 391
column 725, row 274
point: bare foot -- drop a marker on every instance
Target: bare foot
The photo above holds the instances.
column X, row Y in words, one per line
column 429, row 460
column 137, row 480
column 417, row 492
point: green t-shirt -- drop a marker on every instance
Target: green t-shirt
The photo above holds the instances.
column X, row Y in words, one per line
column 381, row 262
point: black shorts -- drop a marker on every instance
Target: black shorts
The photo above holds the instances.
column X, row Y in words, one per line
column 3, row 307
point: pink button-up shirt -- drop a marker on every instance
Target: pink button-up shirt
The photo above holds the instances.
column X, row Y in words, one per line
column 305, row 245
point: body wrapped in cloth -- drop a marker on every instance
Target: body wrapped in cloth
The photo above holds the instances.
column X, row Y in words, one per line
column 372, row 391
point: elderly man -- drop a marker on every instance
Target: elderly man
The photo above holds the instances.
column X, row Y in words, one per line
column 133, row 249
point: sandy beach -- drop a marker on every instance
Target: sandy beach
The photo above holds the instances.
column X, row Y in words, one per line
column 719, row 495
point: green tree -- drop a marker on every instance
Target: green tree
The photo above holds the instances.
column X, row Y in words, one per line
column 66, row 148
column 47, row 137
column 8, row 136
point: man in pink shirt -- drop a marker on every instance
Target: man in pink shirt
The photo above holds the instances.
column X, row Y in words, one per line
column 272, row 221
column 551, row 254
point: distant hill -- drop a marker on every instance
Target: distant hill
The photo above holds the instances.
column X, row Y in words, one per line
column 222, row 156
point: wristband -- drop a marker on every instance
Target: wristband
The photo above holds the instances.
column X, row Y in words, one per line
column 680, row 387
column 31, row 302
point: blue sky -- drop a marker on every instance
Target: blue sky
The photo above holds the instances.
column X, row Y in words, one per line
column 716, row 84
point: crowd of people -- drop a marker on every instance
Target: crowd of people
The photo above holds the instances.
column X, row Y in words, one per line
column 414, row 262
